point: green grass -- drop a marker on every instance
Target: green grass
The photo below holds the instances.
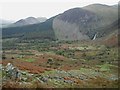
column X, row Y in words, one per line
column 49, row 72
column 0, row 74
column 29, row 60
column 104, row 67
column 87, row 71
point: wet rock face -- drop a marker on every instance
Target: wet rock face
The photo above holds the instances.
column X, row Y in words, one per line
column 9, row 67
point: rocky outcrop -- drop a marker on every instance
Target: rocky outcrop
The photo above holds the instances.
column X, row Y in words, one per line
column 12, row 72
column 66, row 31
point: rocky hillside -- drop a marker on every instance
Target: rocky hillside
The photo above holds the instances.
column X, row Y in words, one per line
column 106, row 30
column 83, row 23
column 74, row 24
column 110, row 34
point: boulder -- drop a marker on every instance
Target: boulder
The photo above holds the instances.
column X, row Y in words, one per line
column 44, row 79
column 12, row 72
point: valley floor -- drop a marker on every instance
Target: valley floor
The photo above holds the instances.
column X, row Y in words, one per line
column 53, row 64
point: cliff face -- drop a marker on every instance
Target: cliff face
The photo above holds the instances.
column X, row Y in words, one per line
column 74, row 24
column 67, row 31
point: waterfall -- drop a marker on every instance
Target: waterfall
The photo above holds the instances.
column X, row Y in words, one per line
column 94, row 37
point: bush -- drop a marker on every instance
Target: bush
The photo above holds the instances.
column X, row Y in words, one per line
column 3, row 56
column 50, row 61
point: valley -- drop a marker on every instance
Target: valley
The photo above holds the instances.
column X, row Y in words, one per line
column 78, row 48
column 61, row 64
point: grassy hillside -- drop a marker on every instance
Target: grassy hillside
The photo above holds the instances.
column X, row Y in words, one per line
column 104, row 31
column 107, row 13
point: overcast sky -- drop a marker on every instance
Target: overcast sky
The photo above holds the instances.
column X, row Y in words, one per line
column 17, row 9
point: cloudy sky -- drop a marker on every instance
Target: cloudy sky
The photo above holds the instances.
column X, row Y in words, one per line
column 17, row 9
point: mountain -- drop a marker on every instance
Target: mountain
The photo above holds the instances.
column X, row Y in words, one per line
column 108, row 14
column 73, row 24
column 111, row 28
column 35, row 31
column 83, row 23
column 28, row 21
column 42, row 19
column 109, row 34
column 116, row 5
column 111, row 39
column 70, row 25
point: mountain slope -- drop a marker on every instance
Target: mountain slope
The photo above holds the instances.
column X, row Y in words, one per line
column 27, row 21
column 109, row 14
column 111, row 39
column 73, row 24
column 109, row 35
column 104, row 31
column 40, row 30
column 83, row 23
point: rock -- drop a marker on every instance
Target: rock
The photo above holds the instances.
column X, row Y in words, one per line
column 48, row 76
column 24, row 79
column 39, row 80
column 23, row 73
column 113, row 77
column 9, row 67
column 0, row 66
column 68, row 81
column 82, row 77
column 56, row 77
column 12, row 72
column 44, row 79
